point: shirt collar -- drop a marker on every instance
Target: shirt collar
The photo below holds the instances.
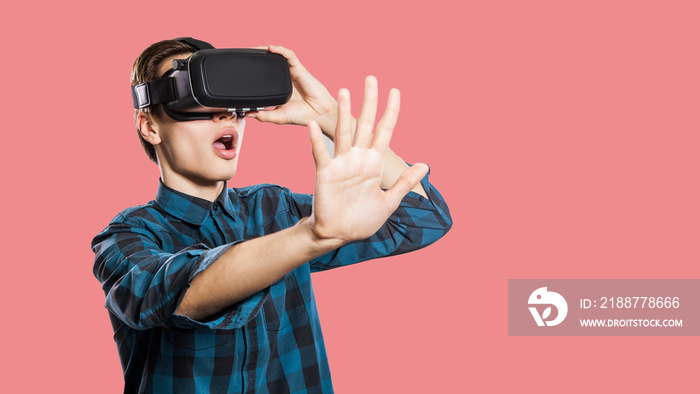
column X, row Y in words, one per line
column 190, row 209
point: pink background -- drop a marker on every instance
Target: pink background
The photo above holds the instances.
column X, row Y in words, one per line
column 564, row 137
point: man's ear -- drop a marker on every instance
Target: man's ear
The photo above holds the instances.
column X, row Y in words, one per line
column 148, row 129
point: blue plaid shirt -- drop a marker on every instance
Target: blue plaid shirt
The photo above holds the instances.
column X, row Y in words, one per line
column 270, row 342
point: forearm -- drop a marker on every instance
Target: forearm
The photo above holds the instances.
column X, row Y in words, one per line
column 249, row 267
column 394, row 166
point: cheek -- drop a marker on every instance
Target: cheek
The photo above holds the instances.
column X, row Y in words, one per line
column 186, row 148
column 240, row 140
column 241, row 134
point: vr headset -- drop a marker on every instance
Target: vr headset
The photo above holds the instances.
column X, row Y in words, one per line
column 217, row 80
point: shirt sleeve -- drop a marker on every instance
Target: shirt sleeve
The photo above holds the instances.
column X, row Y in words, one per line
column 416, row 223
column 144, row 284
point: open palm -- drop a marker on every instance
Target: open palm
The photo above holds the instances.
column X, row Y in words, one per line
column 349, row 203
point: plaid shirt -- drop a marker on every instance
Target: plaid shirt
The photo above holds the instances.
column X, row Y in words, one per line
column 270, row 342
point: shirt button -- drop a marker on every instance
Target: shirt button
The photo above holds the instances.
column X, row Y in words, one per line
column 216, row 207
column 421, row 198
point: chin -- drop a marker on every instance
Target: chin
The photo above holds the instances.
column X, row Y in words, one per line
column 224, row 174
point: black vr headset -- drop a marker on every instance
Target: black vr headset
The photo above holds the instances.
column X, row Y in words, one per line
column 218, row 80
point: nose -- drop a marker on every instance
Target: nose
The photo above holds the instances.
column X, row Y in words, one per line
column 224, row 116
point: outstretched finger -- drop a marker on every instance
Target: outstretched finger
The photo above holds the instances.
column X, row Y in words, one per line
column 385, row 127
column 343, row 129
column 365, row 123
column 407, row 181
column 318, row 147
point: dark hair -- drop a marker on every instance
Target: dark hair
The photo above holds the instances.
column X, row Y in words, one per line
column 146, row 68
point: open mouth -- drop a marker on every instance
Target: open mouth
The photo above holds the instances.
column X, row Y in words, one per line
column 225, row 142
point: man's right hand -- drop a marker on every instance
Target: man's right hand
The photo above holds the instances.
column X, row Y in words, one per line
column 349, row 203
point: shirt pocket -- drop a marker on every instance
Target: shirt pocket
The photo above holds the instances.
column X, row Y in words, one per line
column 284, row 305
column 260, row 226
column 198, row 339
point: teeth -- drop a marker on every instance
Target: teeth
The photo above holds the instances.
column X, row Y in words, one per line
column 227, row 135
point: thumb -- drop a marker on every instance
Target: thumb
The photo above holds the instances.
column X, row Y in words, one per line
column 407, row 181
column 318, row 147
column 275, row 116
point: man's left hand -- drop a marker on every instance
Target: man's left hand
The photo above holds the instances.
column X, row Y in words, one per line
column 310, row 99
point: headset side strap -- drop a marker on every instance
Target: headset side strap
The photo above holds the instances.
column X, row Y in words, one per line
column 154, row 92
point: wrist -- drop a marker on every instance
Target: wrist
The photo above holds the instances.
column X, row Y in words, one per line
column 318, row 243
column 327, row 121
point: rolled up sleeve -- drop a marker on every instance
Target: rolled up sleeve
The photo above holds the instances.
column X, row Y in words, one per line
column 144, row 284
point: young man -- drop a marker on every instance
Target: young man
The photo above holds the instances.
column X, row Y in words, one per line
column 208, row 288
